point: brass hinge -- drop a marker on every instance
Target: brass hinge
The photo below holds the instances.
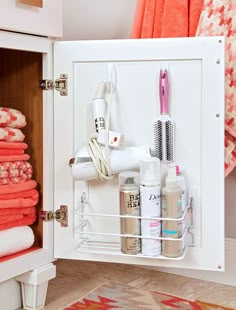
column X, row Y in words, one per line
column 60, row 84
column 61, row 215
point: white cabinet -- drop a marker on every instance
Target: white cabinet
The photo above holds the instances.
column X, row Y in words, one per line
column 60, row 124
column 45, row 21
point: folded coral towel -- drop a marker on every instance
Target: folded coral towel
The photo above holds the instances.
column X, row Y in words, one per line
column 4, row 158
column 11, row 134
column 16, row 211
column 25, row 220
column 15, row 239
column 24, row 194
column 13, row 145
column 18, row 187
column 15, row 214
column 11, row 118
column 11, row 151
column 13, row 180
column 15, row 165
column 20, row 202
column 15, row 172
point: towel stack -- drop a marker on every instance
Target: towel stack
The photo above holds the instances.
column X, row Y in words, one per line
column 18, row 195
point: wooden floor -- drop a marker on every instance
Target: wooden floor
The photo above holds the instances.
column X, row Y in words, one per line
column 76, row 279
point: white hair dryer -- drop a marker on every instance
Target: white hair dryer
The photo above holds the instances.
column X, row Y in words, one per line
column 127, row 158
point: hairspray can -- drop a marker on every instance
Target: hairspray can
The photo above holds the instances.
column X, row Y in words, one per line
column 129, row 206
column 150, row 205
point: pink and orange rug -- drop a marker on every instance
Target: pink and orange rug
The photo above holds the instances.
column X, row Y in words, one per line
column 117, row 296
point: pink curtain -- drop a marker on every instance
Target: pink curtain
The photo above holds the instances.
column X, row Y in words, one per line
column 166, row 18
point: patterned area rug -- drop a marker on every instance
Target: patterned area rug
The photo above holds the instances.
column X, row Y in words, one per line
column 117, row 296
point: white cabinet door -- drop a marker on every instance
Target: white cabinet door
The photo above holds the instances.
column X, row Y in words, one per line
column 196, row 72
column 45, row 21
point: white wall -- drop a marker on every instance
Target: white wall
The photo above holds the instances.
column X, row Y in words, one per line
column 112, row 19
column 97, row 19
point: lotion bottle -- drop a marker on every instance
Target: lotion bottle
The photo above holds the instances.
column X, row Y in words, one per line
column 171, row 208
column 150, row 205
column 184, row 193
column 182, row 184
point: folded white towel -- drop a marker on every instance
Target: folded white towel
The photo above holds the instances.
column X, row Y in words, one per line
column 15, row 239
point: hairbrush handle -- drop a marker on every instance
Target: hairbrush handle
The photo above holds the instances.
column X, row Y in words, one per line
column 163, row 91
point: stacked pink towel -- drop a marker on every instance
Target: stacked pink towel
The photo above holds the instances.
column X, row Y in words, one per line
column 18, row 196
column 17, row 204
column 14, row 167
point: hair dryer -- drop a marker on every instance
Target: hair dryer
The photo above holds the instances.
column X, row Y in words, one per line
column 127, row 158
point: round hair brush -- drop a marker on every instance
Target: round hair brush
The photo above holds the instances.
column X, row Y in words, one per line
column 164, row 129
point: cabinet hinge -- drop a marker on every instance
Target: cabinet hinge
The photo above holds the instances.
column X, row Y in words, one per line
column 60, row 84
column 61, row 215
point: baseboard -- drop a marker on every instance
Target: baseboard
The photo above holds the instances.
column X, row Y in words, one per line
column 228, row 277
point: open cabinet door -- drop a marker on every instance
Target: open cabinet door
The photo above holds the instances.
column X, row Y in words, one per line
column 196, row 74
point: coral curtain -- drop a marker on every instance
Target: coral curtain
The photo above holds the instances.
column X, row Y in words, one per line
column 218, row 17
column 166, row 18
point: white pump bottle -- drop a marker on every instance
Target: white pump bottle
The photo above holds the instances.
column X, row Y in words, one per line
column 171, row 208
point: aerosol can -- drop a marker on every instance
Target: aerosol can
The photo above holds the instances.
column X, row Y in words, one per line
column 129, row 206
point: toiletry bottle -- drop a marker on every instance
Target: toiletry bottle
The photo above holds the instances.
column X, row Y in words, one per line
column 171, row 208
column 182, row 184
column 129, row 206
column 150, row 205
column 184, row 194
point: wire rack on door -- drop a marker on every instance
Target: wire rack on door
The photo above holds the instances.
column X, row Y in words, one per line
column 104, row 241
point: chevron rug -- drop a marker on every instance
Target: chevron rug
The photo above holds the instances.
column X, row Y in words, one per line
column 117, row 296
